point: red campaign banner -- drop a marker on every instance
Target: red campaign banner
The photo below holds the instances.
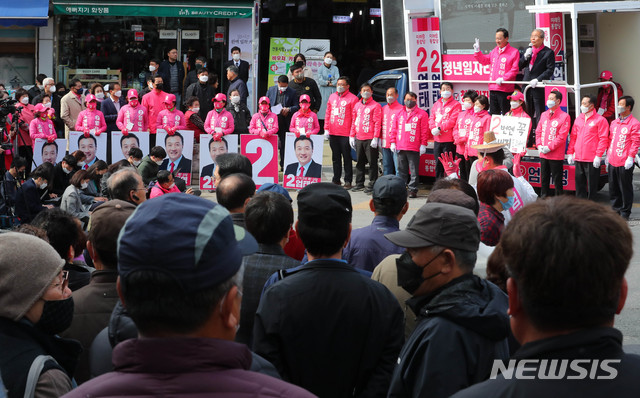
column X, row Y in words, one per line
column 531, row 172
column 553, row 27
column 263, row 155
column 427, row 165
column 464, row 67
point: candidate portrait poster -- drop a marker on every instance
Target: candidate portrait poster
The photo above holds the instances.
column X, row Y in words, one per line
column 94, row 147
column 121, row 144
column 263, row 155
column 303, row 160
column 45, row 151
column 209, row 151
column 179, row 148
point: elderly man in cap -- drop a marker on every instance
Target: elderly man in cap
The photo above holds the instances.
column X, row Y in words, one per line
column 324, row 326
column 35, row 305
column 462, row 319
column 184, row 296
column 368, row 246
column 95, row 302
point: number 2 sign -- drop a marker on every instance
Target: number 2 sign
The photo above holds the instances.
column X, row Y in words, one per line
column 263, row 155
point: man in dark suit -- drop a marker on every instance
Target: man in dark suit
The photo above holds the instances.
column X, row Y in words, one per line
column 282, row 94
column 176, row 162
column 215, row 148
column 38, row 88
column 111, row 106
column 242, row 65
column 28, row 203
column 539, row 63
column 172, row 72
column 235, row 83
column 305, row 166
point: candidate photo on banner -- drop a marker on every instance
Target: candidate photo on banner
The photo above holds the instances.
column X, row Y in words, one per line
column 179, row 148
column 209, row 150
column 94, row 148
column 121, row 144
column 45, row 151
column 303, row 160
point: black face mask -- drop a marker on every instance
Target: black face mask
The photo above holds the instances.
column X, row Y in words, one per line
column 160, row 86
column 56, row 316
column 410, row 274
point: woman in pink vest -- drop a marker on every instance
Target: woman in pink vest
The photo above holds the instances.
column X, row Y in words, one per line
column 462, row 130
column 91, row 118
column 264, row 122
column 480, row 123
column 219, row 121
column 304, row 122
column 133, row 116
column 41, row 126
column 171, row 119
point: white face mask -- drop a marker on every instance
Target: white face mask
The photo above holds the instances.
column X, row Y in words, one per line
column 52, row 89
column 65, row 170
column 235, row 99
column 328, row 61
column 118, row 93
column 366, row 94
column 173, row 184
column 514, row 104
column 584, row 109
column 44, row 185
column 152, row 68
column 621, row 109
column 47, row 105
column 84, row 185
column 467, row 105
column 137, row 163
column 477, row 109
column 236, row 57
column 159, row 162
column 282, row 89
column 390, row 100
column 204, row 78
column 341, row 89
column 100, row 95
column 445, row 94
column 24, row 100
column 551, row 104
column 195, row 110
column 81, row 164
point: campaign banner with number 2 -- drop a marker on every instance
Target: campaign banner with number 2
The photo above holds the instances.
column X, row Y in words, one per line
column 303, row 160
column 263, row 154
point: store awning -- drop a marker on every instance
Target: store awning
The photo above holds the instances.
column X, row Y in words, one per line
column 154, row 8
column 24, row 13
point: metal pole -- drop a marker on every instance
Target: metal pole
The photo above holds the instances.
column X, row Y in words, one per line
column 576, row 58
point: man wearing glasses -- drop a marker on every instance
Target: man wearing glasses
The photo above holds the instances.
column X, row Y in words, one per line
column 35, row 305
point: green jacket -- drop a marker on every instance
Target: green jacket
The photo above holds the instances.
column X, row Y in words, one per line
column 148, row 169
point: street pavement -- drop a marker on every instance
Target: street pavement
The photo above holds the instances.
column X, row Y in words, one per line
column 628, row 321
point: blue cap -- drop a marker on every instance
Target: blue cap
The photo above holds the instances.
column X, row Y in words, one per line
column 191, row 239
column 277, row 188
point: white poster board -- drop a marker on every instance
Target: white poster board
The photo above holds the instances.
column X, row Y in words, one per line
column 120, row 144
column 94, row 148
column 209, row 150
column 299, row 155
column 512, row 131
column 44, row 151
column 179, row 148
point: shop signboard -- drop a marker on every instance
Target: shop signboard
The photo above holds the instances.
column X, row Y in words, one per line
column 139, row 36
column 168, row 34
column 281, row 53
column 67, row 7
column 190, row 34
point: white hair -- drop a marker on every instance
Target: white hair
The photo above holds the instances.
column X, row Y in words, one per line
column 48, row 80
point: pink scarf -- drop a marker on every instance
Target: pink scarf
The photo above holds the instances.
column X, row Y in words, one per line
column 534, row 55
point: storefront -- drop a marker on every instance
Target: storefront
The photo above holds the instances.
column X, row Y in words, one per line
column 114, row 40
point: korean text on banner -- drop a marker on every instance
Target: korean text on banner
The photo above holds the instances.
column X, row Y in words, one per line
column 281, row 53
column 263, row 154
column 553, row 27
column 424, row 62
column 511, row 131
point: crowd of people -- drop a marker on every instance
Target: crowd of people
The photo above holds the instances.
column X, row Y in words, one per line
column 120, row 281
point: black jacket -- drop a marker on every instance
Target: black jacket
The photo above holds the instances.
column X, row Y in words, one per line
column 542, row 68
column 241, row 118
column 243, row 73
column 165, row 72
column 310, row 87
column 330, row 330
column 597, row 343
column 205, row 93
column 111, row 113
column 60, row 180
column 462, row 327
column 28, row 203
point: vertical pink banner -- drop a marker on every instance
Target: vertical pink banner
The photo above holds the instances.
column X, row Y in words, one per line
column 263, row 154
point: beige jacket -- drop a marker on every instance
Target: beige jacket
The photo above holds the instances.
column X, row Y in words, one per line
column 70, row 108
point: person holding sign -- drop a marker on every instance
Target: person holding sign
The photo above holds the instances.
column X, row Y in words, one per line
column 517, row 105
column 409, row 138
column 171, row 119
column 91, row 120
column 304, row 121
column 41, row 126
column 264, row 123
column 219, row 121
column 365, row 134
column 551, row 139
column 442, row 121
column 132, row 117
column 589, row 140
column 462, row 130
column 305, row 166
column 625, row 140
column 480, row 123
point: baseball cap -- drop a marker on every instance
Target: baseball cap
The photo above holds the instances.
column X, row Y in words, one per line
column 191, row 239
column 220, row 97
column 89, row 98
column 305, row 97
column 606, row 75
column 169, row 98
column 452, row 197
column 440, row 224
column 133, row 93
column 277, row 188
column 390, row 186
column 516, row 95
column 324, row 202
column 106, row 222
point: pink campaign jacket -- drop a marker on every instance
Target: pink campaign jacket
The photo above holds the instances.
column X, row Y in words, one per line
column 39, row 128
column 445, row 116
column 339, row 115
column 419, row 134
column 589, row 138
column 88, row 120
column 167, row 119
column 368, row 117
column 389, row 113
column 153, row 101
column 137, row 116
column 625, row 140
column 462, row 129
column 503, row 63
column 480, row 122
column 264, row 126
column 224, row 120
column 552, row 131
column 309, row 122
